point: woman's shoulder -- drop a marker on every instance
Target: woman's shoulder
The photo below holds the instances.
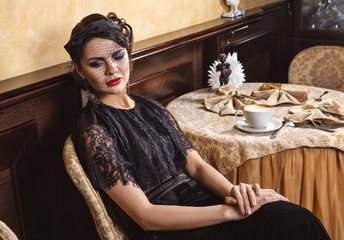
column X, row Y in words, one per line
column 87, row 112
column 87, row 117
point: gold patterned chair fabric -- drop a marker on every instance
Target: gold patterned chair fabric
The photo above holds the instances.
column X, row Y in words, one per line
column 6, row 233
column 319, row 66
column 105, row 226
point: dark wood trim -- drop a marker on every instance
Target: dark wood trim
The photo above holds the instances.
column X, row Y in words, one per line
column 38, row 79
column 5, row 102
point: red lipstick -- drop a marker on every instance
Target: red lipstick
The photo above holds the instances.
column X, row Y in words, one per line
column 114, row 82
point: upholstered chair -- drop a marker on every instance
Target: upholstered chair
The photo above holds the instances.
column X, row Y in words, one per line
column 320, row 66
column 6, row 233
column 105, row 226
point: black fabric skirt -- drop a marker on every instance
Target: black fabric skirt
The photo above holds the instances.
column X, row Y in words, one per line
column 276, row 221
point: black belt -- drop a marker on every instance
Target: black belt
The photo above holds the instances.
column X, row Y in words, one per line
column 168, row 185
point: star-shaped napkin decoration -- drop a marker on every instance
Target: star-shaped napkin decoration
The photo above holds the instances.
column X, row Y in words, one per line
column 274, row 94
column 329, row 113
column 226, row 100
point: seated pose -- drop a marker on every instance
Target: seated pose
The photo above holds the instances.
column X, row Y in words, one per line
column 147, row 172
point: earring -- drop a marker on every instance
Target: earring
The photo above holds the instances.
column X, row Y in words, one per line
column 128, row 87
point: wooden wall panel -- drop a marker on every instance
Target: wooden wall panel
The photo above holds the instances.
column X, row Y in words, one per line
column 54, row 109
column 168, row 74
column 166, row 85
column 18, row 163
column 8, row 209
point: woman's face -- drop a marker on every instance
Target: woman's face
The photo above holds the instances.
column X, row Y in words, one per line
column 105, row 64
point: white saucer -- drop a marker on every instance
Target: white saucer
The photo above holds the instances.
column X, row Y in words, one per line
column 271, row 126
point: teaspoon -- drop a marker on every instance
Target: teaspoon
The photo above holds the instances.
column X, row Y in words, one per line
column 319, row 98
column 274, row 134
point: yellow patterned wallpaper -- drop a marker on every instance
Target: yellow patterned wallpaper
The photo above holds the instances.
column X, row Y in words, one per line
column 32, row 33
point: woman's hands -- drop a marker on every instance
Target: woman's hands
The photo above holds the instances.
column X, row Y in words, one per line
column 250, row 198
column 244, row 195
column 245, row 198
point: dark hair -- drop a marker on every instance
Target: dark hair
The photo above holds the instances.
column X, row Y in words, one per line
column 97, row 26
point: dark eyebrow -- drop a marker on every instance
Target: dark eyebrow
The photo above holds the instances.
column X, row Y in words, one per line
column 101, row 58
column 95, row 58
column 118, row 51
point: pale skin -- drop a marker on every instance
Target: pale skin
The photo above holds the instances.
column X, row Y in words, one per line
column 105, row 65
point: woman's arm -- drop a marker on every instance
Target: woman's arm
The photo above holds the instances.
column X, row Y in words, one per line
column 243, row 194
column 151, row 217
column 206, row 175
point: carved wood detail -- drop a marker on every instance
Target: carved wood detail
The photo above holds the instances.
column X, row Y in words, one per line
column 18, row 182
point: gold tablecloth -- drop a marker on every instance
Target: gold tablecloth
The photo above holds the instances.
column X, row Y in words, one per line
column 304, row 164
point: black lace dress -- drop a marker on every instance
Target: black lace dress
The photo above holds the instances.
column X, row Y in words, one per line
column 145, row 146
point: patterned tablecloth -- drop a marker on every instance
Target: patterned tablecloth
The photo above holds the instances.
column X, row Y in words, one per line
column 222, row 144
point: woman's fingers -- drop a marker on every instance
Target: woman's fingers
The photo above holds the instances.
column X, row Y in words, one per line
column 246, row 192
column 252, row 196
column 269, row 195
column 230, row 200
column 245, row 197
column 256, row 189
column 283, row 198
column 249, row 197
column 266, row 200
column 237, row 195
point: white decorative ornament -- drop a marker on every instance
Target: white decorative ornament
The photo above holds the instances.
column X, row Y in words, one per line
column 236, row 78
column 214, row 76
column 234, row 12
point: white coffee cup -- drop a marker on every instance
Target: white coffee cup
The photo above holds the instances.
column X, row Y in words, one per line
column 256, row 115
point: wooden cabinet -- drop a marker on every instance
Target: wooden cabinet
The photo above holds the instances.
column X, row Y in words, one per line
column 261, row 43
column 317, row 23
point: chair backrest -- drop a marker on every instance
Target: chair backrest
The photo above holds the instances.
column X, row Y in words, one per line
column 6, row 233
column 105, row 226
column 319, row 66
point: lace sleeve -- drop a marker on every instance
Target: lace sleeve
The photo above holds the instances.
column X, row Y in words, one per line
column 186, row 143
column 103, row 161
column 180, row 134
column 180, row 141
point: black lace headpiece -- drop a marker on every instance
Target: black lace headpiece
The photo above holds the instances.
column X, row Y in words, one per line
column 76, row 42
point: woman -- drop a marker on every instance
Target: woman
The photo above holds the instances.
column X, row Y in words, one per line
column 147, row 172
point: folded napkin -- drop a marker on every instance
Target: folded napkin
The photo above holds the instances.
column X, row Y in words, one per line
column 274, row 94
column 226, row 100
column 328, row 112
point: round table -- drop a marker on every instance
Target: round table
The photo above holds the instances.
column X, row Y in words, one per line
column 303, row 163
